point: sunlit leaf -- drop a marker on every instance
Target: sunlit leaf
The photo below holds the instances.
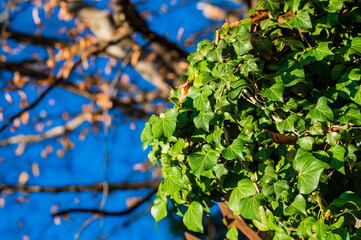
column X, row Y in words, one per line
column 193, row 217
column 309, row 170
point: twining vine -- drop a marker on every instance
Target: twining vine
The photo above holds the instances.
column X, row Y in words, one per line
column 269, row 123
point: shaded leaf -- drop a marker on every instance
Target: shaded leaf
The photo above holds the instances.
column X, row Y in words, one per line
column 337, row 153
column 202, row 121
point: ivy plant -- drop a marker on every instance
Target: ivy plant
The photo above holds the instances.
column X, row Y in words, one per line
column 269, row 123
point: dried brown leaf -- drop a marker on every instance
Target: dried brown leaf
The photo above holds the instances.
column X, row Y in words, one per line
column 24, row 117
column 23, row 178
column 184, row 90
column 35, row 169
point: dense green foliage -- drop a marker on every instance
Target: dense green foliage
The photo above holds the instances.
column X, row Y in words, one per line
column 291, row 68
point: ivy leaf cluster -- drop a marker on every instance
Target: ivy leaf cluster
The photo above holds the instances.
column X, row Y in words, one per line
column 270, row 124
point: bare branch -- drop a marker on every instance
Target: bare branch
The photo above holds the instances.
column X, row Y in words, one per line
column 106, row 213
column 149, row 65
column 25, row 68
column 77, row 188
column 52, row 133
column 127, row 104
column 171, row 53
column 36, row 39
column 85, row 224
column 57, row 80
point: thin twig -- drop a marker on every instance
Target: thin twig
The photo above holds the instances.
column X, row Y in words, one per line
column 85, row 224
column 106, row 213
column 253, row 100
column 78, row 188
column 98, row 48
column 288, row 228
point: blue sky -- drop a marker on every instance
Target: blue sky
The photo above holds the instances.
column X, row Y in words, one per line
column 30, row 215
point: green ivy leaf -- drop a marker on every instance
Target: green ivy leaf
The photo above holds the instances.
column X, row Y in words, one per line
column 146, row 135
column 249, row 65
column 292, row 73
column 201, row 162
column 237, row 88
column 193, row 217
column 316, row 129
column 275, row 92
column 282, row 236
column 320, row 228
column 298, row 206
column 335, row 5
column 309, row 170
column 347, row 199
column 332, row 138
column 356, row 45
column 292, row 5
column 262, row 225
column 269, row 175
column 220, row 170
column 202, row 121
column 264, row 45
column 234, row 150
column 159, row 209
column 301, row 20
column 333, row 236
column 165, row 124
column 305, row 227
column 320, row 51
column 357, row 98
column 272, row 5
column 242, row 39
column 250, row 208
column 352, row 115
column 226, row 69
column 173, row 182
column 215, row 55
column 281, row 188
column 201, row 103
column 306, row 143
column 232, row 233
column 337, row 154
column 288, row 124
column 355, row 74
column 245, row 188
column 321, row 112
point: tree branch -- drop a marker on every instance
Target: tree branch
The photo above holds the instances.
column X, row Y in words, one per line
column 96, row 187
column 171, row 53
column 52, row 133
column 57, row 80
column 238, row 222
column 107, row 213
column 149, row 65
column 36, row 39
